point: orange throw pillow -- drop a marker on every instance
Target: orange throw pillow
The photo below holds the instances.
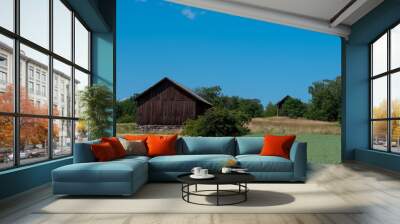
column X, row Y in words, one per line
column 116, row 145
column 136, row 137
column 277, row 145
column 103, row 152
column 161, row 145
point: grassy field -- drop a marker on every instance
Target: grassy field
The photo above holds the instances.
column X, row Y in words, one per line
column 323, row 138
column 321, row 148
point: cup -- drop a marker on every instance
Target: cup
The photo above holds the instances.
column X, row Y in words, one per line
column 196, row 171
column 203, row 172
column 226, row 170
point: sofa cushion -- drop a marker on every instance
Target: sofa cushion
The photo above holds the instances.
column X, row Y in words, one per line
column 135, row 137
column 134, row 147
column 103, row 152
column 83, row 152
column 116, row 145
column 249, row 145
column 257, row 163
column 277, row 145
column 161, row 145
column 206, row 145
column 112, row 171
column 185, row 163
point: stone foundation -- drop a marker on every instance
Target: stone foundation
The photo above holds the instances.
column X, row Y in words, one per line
column 167, row 129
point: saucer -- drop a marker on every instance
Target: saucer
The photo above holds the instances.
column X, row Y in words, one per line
column 208, row 176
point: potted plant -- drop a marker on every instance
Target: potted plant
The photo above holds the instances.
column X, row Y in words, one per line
column 97, row 108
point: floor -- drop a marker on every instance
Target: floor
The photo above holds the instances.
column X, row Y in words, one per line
column 379, row 189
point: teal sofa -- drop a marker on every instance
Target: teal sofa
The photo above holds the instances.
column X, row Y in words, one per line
column 125, row 176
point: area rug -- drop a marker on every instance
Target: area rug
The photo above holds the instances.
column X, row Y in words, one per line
column 166, row 198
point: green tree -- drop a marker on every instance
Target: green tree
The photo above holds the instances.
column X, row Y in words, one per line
column 251, row 107
column 270, row 110
column 218, row 122
column 126, row 110
column 97, row 104
column 212, row 94
column 325, row 100
column 293, row 108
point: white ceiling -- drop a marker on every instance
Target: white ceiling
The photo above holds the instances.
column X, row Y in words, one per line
column 321, row 9
column 327, row 16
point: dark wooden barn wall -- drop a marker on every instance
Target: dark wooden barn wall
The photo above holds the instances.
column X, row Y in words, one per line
column 166, row 105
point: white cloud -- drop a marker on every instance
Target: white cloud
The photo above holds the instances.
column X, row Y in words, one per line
column 189, row 13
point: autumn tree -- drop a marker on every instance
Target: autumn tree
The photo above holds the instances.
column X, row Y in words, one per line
column 33, row 131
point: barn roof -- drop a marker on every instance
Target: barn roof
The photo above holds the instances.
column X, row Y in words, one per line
column 179, row 86
column 280, row 102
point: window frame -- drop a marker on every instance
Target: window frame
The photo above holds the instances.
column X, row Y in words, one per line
column 16, row 114
column 388, row 74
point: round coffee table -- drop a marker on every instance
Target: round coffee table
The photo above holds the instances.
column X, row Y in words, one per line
column 238, row 179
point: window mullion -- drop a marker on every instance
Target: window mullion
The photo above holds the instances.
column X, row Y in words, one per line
column 389, row 104
column 73, row 81
column 16, row 85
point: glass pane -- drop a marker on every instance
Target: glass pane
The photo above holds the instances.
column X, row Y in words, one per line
column 395, row 95
column 81, row 45
column 35, row 21
column 6, row 142
column 81, row 82
column 62, row 29
column 7, row 14
column 395, row 138
column 379, row 97
column 34, row 97
column 379, row 135
column 81, row 131
column 6, row 74
column 395, row 47
column 33, row 140
column 62, row 138
column 62, row 89
column 379, row 56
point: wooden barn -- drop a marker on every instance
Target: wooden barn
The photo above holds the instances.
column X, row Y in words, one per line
column 168, row 103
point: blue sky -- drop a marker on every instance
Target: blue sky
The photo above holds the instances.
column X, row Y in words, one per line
column 196, row 48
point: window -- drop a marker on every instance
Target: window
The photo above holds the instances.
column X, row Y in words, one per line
column 37, row 75
column 33, row 140
column 62, row 140
column 62, row 29
column 385, row 92
column 3, row 72
column 3, row 61
column 30, row 87
column 62, row 74
column 34, row 21
column 6, row 74
column 81, row 82
column 30, row 72
column 44, row 91
column 3, row 78
column 7, row 14
column 37, row 89
column 81, row 45
column 7, row 142
column 45, row 131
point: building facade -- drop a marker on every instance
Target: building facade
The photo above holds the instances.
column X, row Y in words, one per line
column 34, row 82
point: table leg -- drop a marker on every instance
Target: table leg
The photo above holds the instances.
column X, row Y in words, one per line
column 245, row 193
column 188, row 190
column 195, row 188
column 217, row 194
